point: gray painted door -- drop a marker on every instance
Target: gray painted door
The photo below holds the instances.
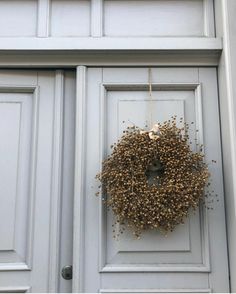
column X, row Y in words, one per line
column 36, row 171
column 194, row 257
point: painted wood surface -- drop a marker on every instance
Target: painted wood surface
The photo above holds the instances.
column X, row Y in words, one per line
column 32, row 128
column 30, row 26
column 78, row 18
column 185, row 259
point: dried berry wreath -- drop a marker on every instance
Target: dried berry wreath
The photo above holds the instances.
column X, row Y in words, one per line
column 153, row 178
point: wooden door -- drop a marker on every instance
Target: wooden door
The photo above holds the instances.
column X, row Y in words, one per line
column 191, row 259
column 36, row 170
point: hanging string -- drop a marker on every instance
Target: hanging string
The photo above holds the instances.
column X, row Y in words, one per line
column 151, row 98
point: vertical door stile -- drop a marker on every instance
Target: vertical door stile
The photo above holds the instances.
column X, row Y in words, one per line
column 33, row 174
column 79, row 193
column 56, row 181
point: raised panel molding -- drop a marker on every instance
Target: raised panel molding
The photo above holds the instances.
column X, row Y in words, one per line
column 25, row 167
column 104, row 266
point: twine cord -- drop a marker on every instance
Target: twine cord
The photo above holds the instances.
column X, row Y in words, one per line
column 151, row 98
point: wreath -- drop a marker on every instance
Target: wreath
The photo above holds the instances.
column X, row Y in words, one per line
column 152, row 178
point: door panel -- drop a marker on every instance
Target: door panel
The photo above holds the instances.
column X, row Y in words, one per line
column 66, row 231
column 193, row 257
column 31, row 133
column 182, row 248
column 15, row 134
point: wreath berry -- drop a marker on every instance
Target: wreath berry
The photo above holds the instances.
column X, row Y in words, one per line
column 152, row 178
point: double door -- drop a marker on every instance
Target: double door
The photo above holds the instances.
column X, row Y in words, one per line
column 55, row 129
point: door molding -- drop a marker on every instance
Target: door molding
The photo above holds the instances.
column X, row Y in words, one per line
column 167, row 267
column 34, row 90
column 79, row 179
column 56, row 181
column 72, row 59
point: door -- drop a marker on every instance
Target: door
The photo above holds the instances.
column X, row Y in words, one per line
column 191, row 259
column 36, row 171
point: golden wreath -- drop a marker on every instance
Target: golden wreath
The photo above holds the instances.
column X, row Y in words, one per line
column 153, row 178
